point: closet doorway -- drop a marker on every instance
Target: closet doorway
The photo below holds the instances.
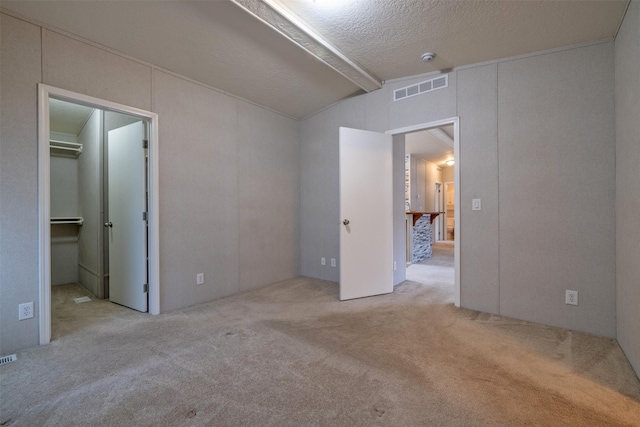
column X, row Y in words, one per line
column 98, row 201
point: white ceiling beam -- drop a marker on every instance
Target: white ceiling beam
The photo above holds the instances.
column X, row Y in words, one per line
column 442, row 136
column 272, row 13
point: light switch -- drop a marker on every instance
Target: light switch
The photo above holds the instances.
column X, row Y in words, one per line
column 476, row 205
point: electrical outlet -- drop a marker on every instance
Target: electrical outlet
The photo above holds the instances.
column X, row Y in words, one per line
column 571, row 297
column 323, row 261
column 200, row 279
column 333, row 262
column 25, row 311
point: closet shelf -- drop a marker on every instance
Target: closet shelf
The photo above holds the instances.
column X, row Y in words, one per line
column 64, row 148
column 67, row 220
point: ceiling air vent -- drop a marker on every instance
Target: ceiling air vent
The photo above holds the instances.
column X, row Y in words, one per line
column 420, row 88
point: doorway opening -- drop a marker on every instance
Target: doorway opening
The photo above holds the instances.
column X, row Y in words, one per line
column 431, row 202
column 83, row 192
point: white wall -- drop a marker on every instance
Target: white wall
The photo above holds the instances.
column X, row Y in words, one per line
column 531, row 129
column 433, row 174
column 399, row 209
column 319, row 233
column 64, row 237
column 64, row 202
column 421, row 184
column 418, row 182
column 627, row 206
column 478, row 157
column 20, row 69
column 424, row 175
column 89, row 194
column 447, row 174
column 557, row 187
column 219, row 158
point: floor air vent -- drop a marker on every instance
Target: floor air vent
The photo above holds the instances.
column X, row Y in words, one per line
column 7, row 359
column 422, row 87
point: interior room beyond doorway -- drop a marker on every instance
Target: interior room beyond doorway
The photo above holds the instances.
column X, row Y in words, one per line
column 430, row 207
column 429, row 178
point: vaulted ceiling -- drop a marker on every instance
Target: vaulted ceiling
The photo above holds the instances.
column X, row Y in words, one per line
column 298, row 56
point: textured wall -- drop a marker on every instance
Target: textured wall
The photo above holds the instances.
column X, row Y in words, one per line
column 627, row 62
column 20, row 70
column 63, row 174
column 198, row 197
column 536, row 146
column 319, row 213
column 268, row 197
column 75, row 65
column 478, row 160
column 64, row 202
column 556, row 156
column 437, row 105
column 207, row 141
column 399, row 216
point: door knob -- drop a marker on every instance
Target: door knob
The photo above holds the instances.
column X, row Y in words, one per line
column 108, row 224
column 345, row 222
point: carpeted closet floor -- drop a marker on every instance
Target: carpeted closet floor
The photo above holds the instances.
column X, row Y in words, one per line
column 291, row 354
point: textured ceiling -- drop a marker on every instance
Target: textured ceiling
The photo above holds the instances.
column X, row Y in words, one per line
column 224, row 46
column 214, row 42
column 387, row 37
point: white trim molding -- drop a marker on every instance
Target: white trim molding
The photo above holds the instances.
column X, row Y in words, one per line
column 45, row 92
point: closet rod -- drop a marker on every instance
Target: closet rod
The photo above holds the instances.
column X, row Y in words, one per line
column 67, row 220
column 64, row 145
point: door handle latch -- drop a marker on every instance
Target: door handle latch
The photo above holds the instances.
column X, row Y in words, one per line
column 108, row 224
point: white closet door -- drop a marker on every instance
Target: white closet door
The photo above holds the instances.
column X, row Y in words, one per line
column 127, row 228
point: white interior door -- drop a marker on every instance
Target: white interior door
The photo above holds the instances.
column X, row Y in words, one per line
column 128, row 229
column 366, row 209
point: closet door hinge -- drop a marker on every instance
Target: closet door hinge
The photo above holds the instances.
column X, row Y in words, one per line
column 145, row 143
column 145, row 287
column 144, row 216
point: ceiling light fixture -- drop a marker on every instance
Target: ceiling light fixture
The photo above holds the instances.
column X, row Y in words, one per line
column 428, row 56
column 450, row 162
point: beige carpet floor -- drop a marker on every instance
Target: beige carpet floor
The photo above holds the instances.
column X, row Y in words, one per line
column 442, row 255
column 291, row 354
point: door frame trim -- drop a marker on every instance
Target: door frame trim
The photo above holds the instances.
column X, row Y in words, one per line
column 455, row 121
column 44, row 197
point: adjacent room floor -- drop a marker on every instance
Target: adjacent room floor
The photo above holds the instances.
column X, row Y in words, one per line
column 436, row 273
column 291, row 354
